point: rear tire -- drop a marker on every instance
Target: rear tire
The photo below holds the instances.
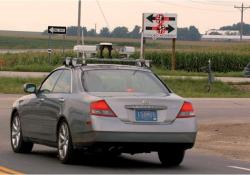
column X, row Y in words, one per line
column 16, row 137
column 171, row 157
column 66, row 152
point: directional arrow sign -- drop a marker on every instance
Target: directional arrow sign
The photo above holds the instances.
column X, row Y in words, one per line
column 153, row 18
column 160, row 25
column 57, row 30
column 161, row 29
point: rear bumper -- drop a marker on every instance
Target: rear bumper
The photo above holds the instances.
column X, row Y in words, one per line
column 135, row 142
column 110, row 130
column 92, row 137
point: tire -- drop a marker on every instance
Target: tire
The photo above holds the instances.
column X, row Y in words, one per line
column 66, row 152
column 171, row 157
column 16, row 137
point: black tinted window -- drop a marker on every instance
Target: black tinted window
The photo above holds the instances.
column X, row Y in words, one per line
column 63, row 84
column 122, row 81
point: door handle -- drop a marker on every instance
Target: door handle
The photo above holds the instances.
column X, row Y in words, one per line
column 61, row 99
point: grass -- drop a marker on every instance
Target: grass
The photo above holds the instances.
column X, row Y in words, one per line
column 163, row 71
column 196, row 89
column 15, row 85
column 183, row 87
column 30, row 68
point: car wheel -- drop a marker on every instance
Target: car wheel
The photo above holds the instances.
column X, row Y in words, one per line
column 17, row 143
column 66, row 152
column 171, row 157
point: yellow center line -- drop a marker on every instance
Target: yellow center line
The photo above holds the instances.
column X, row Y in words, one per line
column 2, row 173
column 5, row 170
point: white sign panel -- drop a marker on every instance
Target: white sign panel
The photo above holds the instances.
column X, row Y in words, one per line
column 160, row 25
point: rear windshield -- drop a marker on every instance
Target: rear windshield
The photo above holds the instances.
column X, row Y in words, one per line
column 132, row 81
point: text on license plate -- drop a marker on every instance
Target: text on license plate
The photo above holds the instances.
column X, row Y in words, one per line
column 146, row 115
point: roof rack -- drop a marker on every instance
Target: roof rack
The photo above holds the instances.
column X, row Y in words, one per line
column 73, row 62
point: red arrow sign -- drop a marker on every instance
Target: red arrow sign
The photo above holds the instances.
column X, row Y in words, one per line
column 161, row 29
column 160, row 18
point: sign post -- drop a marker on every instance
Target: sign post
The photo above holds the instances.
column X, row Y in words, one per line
column 162, row 26
column 142, row 40
column 64, row 38
column 52, row 30
column 49, row 48
column 173, row 61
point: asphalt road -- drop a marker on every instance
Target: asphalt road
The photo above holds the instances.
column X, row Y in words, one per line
column 43, row 160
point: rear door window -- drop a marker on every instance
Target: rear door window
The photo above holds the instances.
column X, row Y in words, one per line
column 50, row 82
column 63, row 84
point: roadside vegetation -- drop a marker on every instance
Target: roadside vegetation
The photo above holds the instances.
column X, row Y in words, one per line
column 196, row 88
column 15, row 85
column 228, row 58
column 191, row 62
column 183, row 87
column 161, row 71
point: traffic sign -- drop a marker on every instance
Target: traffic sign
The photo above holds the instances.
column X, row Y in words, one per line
column 160, row 25
column 57, row 30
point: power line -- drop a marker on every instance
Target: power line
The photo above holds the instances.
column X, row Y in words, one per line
column 102, row 12
column 242, row 9
column 192, row 7
column 213, row 3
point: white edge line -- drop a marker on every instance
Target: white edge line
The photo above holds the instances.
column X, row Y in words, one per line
column 240, row 168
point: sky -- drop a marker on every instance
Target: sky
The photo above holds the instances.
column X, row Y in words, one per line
column 36, row 15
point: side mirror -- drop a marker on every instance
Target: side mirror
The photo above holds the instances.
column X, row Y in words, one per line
column 29, row 88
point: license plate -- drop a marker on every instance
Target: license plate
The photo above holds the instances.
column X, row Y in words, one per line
column 146, row 115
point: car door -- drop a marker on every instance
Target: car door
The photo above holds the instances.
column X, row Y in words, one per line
column 53, row 105
column 39, row 122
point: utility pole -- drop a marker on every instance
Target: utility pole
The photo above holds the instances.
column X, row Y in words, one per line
column 242, row 9
column 79, row 23
column 95, row 27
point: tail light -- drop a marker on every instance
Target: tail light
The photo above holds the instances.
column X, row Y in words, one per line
column 101, row 108
column 186, row 111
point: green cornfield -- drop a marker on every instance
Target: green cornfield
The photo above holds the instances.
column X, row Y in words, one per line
column 194, row 61
column 191, row 61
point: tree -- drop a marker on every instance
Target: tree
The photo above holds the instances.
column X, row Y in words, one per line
column 91, row 32
column 105, row 32
column 136, row 32
column 194, row 34
column 246, row 28
column 190, row 34
column 182, row 33
column 120, row 32
column 72, row 30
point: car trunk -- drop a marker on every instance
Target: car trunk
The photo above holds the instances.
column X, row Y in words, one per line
column 143, row 108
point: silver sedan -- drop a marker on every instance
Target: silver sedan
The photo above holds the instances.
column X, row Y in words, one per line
column 110, row 109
